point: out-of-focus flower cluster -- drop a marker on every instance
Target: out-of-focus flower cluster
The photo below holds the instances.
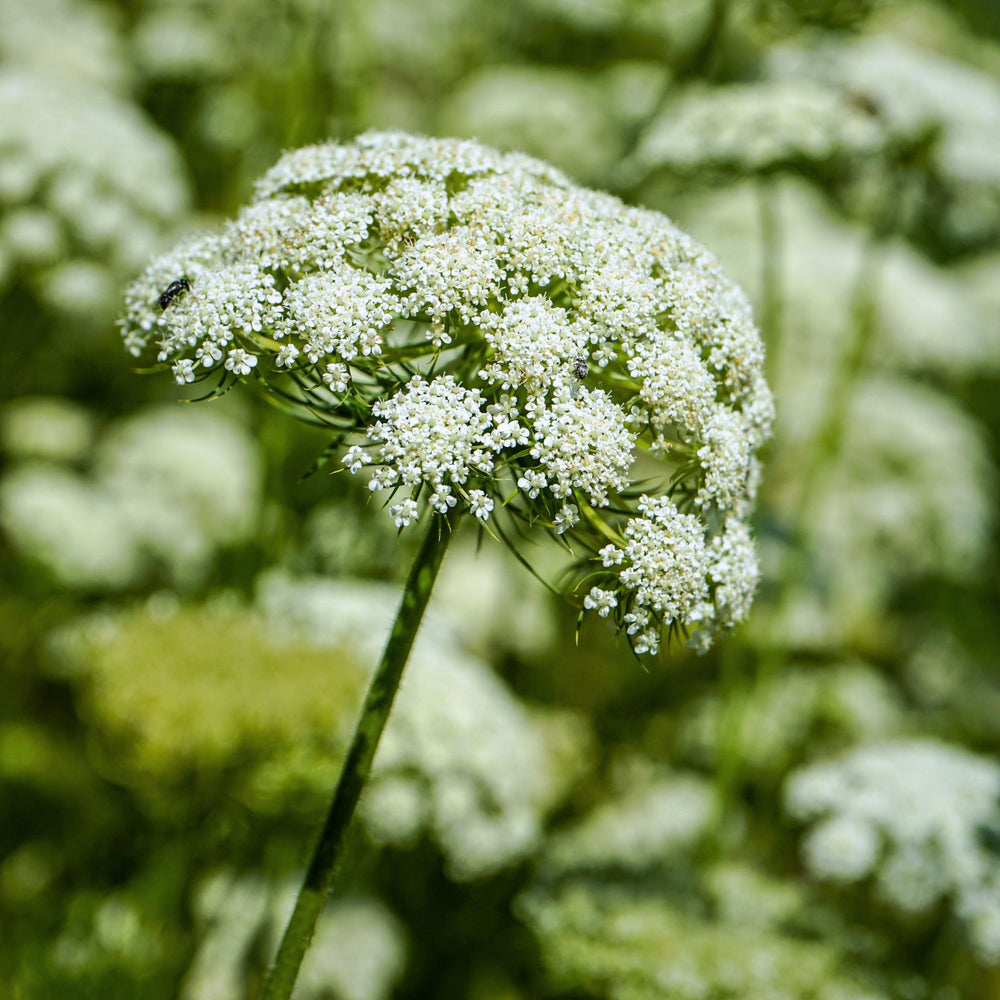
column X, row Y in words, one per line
column 490, row 335
column 617, row 912
column 462, row 759
column 638, row 943
column 166, row 490
column 70, row 39
column 178, row 682
column 359, row 947
column 756, row 128
column 913, row 92
column 802, row 708
column 87, row 185
column 920, row 819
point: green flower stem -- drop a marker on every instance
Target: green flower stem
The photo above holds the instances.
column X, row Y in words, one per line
column 770, row 271
column 374, row 713
column 828, row 438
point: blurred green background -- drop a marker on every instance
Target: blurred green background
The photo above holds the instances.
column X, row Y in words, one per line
column 810, row 811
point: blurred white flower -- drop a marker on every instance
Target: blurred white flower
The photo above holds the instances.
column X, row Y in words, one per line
column 753, row 128
column 72, row 39
column 169, row 487
column 70, row 526
column 187, row 482
column 82, row 169
column 917, row 816
column 649, row 824
column 643, row 937
column 556, row 114
column 917, row 92
column 43, row 427
column 928, row 318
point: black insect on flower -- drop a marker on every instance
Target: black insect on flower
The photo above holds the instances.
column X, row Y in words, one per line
column 866, row 103
column 580, row 368
column 172, row 290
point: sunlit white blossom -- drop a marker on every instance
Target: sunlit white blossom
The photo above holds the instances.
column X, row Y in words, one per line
column 239, row 362
column 480, row 504
column 499, row 341
column 287, row 356
column 404, row 512
column 601, row 601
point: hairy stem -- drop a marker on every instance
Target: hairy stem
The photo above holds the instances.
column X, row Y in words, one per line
column 374, row 713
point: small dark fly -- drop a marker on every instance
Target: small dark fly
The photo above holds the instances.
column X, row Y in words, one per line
column 172, row 290
column 580, row 368
column 866, row 103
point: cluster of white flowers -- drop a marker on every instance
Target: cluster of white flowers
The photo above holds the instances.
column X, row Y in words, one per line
column 745, row 128
column 660, row 817
column 919, row 93
column 436, row 433
column 74, row 39
column 493, row 338
column 918, row 817
column 168, row 488
column 666, row 564
column 87, row 184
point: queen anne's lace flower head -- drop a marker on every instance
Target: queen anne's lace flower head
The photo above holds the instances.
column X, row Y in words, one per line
column 70, row 39
column 493, row 339
column 917, row 817
column 755, row 128
column 87, row 185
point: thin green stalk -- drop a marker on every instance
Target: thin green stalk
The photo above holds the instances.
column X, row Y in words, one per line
column 829, row 435
column 771, row 256
column 828, row 438
column 374, row 713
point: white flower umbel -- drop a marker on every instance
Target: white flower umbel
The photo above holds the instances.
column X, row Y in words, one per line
column 71, row 39
column 87, row 184
column 489, row 337
column 920, row 819
column 920, row 93
column 168, row 489
column 751, row 128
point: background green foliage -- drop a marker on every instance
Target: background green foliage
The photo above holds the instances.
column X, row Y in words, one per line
column 186, row 622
